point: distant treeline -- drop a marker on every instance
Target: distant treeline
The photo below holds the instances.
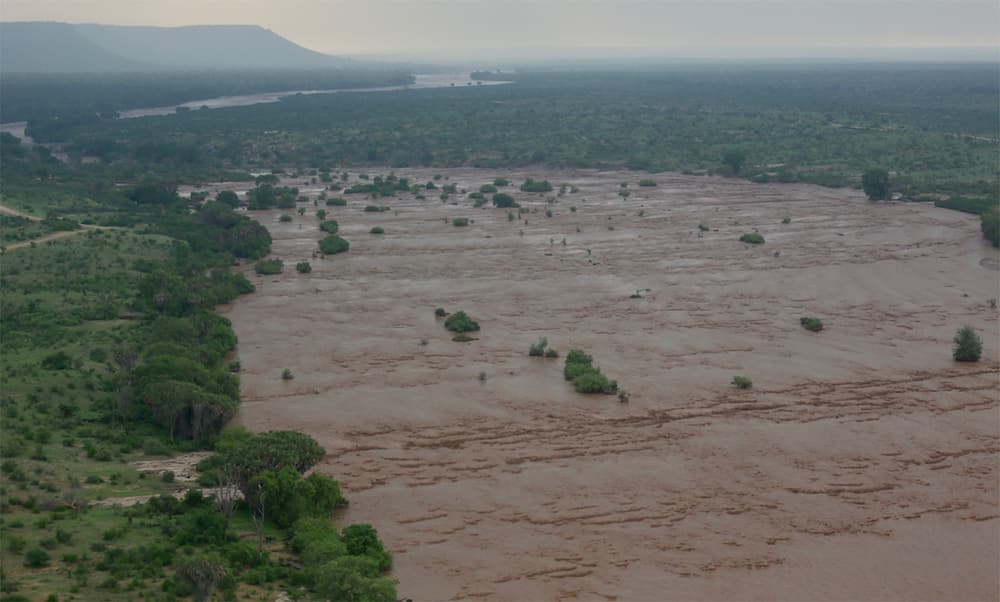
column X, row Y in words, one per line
column 87, row 98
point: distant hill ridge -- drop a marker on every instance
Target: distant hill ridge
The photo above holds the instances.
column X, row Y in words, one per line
column 49, row 47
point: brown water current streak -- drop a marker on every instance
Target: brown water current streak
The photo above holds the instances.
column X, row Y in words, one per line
column 863, row 464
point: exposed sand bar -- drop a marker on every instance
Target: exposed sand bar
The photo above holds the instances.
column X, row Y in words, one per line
column 862, row 465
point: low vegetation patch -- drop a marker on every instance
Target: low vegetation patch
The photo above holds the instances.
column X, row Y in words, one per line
column 459, row 222
column 531, row 185
column 331, row 245
column 753, row 238
column 811, row 324
column 268, row 267
column 336, row 202
column 330, row 226
column 461, row 322
column 377, row 230
column 968, row 345
column 742, row 382
column 541, row 349
column 646, row 182
column 303, row 267
column 586, row 377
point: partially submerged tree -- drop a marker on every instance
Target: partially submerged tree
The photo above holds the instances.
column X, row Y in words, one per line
column 875, row 183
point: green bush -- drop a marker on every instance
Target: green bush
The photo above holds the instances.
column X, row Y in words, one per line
column 59, row 360
column 285, row 218
column 460, row 322
column 331, row 245
column 460, row 221
column 377, row 230
column 303, row 267
column 375, row 208
column 531, row 185
column 504, row 201
column 990, row 225
column 269, row 267
column 647, row 182
column 811, row 324
column 501, row 182
column 36, row 558
column 742, row 382
column 786, row 220
column 753, row 238
column 167, row 476
column 330, row 226
column 585, row 376
column 440, row 312
column 336, row 202
column 968, row 345
column 550, row 352
column 488, row 189
column 538, row 349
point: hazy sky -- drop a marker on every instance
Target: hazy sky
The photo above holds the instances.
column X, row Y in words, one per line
column 373, row 26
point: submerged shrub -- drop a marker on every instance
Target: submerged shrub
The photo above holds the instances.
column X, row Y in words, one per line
column 753, row 238
column 268, row 267
column 742, row 382
column 968, row 345
column 811, row 324
column 331, row 245
column 460, row 322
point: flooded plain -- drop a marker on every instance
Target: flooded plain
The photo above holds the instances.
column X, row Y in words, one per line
column 862, row 464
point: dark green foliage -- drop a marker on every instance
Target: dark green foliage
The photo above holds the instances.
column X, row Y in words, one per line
column 811, row 324
column 460, row 322
column 228, row 197
column 440, row 312
column 362, row 540
column 377, row 230
column 336, row 202
column 504, row 201
column 331, row 245
column 330, row 226
column 285, row 218
column 269, row 266
column 303, row 267
column 531, row 185
column 786, row 220
column 734, row 159
column 379, row 186
column 501, row 182
column 252, row 454
column 585, row 376
column 647, row 182
column 752, row 238
column 541, row 349
column 487, row 189
column 36, row 558
column 742, row 382
column 460, row 221
column 375, row 208
column 354, row 579
column 703, row 228
column 59, row 360
column 968, row 345
column 991, row 225
column 287, row 497
column 875, row 183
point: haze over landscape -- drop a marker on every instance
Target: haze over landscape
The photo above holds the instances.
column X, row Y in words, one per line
column 370, row 301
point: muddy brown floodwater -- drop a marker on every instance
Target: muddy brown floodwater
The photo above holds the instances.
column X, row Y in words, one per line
column 863, row 463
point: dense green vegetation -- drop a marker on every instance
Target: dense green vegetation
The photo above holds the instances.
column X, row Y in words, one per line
column 968, row 345
column 460, row 322
column 586, row 377
column 112, row 353
column 934, row 128
column 333, row 244
column 742, row 382
column 753, row 238
column 811, row 324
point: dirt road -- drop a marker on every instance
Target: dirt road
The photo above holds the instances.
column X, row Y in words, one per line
column 863, row 463
column 42, row 239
